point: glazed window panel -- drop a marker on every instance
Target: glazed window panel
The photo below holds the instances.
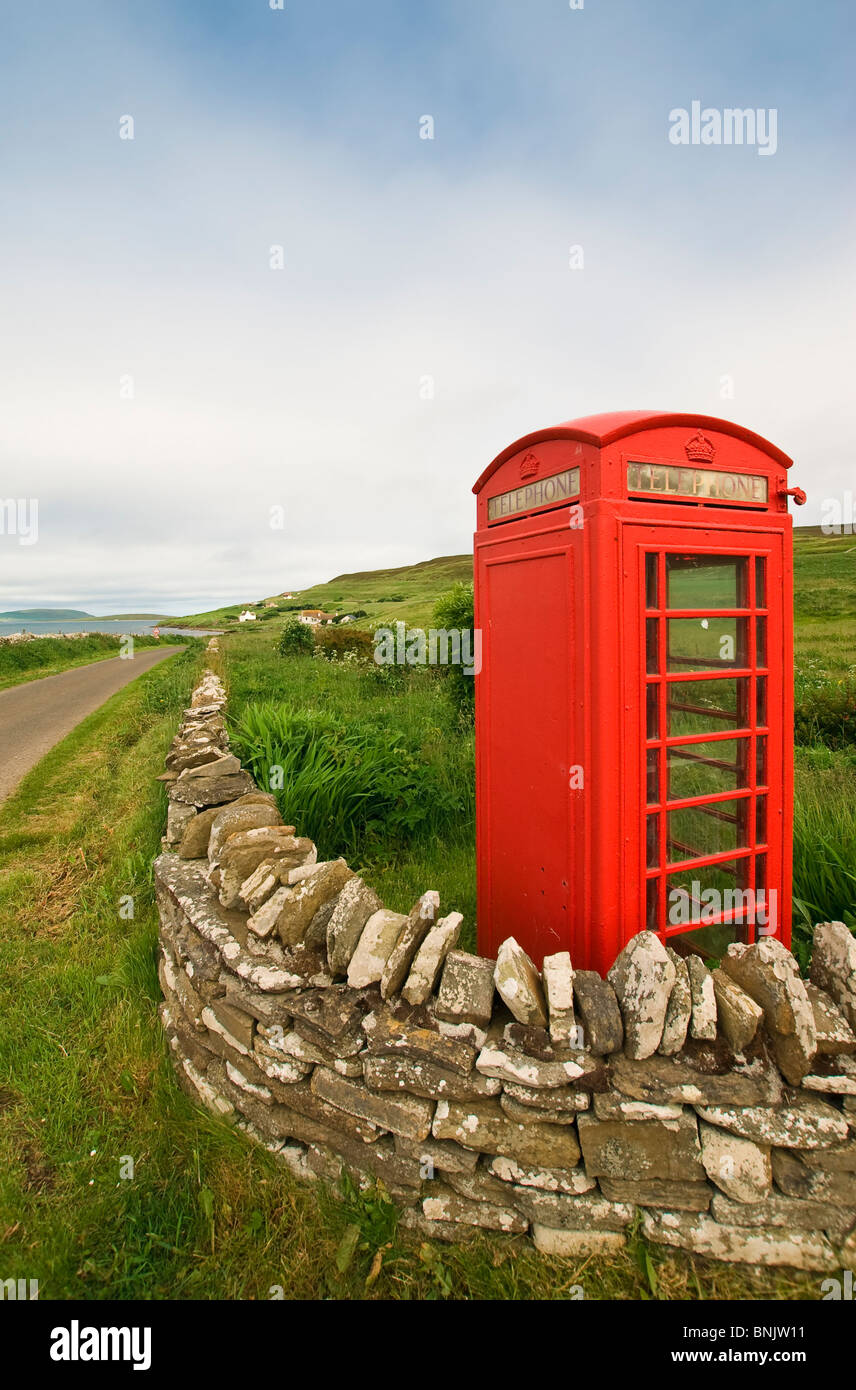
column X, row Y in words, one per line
column 707, row 707
column 706, row 581
column 696, row 831
column 703, row 769
column 707, row 644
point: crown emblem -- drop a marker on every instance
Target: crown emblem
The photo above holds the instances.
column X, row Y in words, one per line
column 699, row 448
column 530, row 466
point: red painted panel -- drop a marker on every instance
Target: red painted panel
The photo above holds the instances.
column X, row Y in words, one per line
column 528, row 622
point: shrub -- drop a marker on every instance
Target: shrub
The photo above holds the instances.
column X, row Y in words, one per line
column 454, row 612
column 335, row 642
column 296, row 639
column 824, row 708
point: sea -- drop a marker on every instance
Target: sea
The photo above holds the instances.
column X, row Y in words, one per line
column 140, row 627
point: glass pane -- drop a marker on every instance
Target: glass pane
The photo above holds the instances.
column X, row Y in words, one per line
column 760, row 582
column 703, row 893
column 653, row 776
column 653, row 719
column 652, row 646
column 651, row 581
column 761, row 761
column 761, row 820
column 760, row 641
column 761, row 702
column 706, row 644
column 653, row 837
column 701, row 769
column 652, row 895
column 709, row 942
column 705, row 581
column 707, row 707
column 699, row 830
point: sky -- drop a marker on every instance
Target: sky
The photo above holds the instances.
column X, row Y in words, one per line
column 202, row 419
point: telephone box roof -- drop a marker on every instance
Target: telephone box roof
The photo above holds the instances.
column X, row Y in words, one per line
column 605, row 429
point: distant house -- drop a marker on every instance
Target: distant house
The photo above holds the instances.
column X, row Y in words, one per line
column 270, row 603
column 247, row 616
column 315, row 617
column 347, row 618
column 286, row 595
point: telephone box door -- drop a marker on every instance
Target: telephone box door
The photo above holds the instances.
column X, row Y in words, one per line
column 706, row 829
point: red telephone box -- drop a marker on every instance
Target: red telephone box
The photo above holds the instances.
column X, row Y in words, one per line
column 634, row 713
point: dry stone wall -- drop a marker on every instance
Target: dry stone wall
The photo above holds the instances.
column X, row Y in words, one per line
column 486, row 1094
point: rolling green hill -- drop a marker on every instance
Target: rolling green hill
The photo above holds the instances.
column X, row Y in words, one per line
column 389, row 595
column 824, row 597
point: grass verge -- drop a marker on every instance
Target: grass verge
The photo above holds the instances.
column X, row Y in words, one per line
column 86, row 1086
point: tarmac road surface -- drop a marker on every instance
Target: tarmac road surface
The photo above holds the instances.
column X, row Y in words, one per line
column 36, row 715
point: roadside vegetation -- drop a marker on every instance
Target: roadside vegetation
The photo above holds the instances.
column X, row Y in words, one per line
column 47, row 656
column 379, row 766
column 86, row 1084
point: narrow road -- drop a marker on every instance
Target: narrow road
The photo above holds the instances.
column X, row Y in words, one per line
column 36, row 715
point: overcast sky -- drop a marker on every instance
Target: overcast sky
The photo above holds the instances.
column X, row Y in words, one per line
column 143, row 266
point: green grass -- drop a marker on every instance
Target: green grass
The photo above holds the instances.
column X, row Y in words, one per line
column 47, row 656
column 85, row 1082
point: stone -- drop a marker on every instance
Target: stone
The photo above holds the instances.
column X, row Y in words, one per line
column 739, row 1244
column 253, row 1088
column 573, row 1181
column 325, row 1123
column 840, row 1082
column 245, row 850
column 194, row 842
column 422, row 1078
column 738, row 1167
column 703, row 1019
column 208, row 1094
column 466, row 990
column 795, row 1177
column 564, row 1101
column 231, row 1023
column 614, row 1106
column 799, row 1213
column 449, row 1206
column 449, row 1232
column 658, row 1192
column 402, row 1114
column 428, row 961
column 519, row 984
column 392, row 1036
column 374, row 947
column 642, row 977
column 739, row 1015
column 355, row 905
column 263, row 921
column 419, row 922
column 529, row 1114
column 768, row 972
column 509, row 1064
column 178, row 818
column 482, row 1125
column 306, row 898
column 576, row 1245
column 260, row 885
column 222, row 765
column 267, row 1008
column 834, row 1034
column 679, row 1009
column 559, row 1212
column 833, row 966
column 442, row 1155
column 211, row 791
column 619, row 1149
column 802, row 1122
column 558, row 977
column 675, row 1080
column 600, row 1016
column 335, row 1014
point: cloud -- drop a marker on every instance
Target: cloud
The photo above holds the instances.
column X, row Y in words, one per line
column 146, row 264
